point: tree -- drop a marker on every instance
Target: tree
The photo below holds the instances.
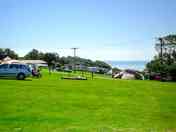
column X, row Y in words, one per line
column 8, row 52
column 164, row 62
column 166, row 47
column 34, row 55
column 155, row 66
column 51, row 59
column 102, row 64
column 41, row 55
column 63, row 60
column 2, row 54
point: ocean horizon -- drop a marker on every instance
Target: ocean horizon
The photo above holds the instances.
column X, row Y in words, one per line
column 131, row 64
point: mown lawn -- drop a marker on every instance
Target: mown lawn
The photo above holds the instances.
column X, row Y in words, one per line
column 50, row 104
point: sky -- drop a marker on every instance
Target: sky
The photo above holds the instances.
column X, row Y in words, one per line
column 101, row 29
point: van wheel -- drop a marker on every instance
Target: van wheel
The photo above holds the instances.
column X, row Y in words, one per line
column 20, row 76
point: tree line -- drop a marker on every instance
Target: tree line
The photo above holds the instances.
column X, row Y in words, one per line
column 53, row 58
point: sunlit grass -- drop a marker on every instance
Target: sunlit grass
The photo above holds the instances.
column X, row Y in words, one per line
column 50, row 104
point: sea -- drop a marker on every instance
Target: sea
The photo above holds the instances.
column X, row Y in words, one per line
column 136, row 65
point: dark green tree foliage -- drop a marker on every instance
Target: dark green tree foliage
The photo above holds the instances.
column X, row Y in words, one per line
column 63, row 60
column 102, row 64
column 154, row 66
column 51, row 58
column 34, row 55
column 165, row 61
column 81, row 61
column 7, row 52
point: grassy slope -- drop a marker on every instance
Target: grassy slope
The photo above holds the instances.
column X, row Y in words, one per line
column 50, row 104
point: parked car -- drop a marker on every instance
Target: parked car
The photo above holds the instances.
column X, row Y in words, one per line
column 20, row 71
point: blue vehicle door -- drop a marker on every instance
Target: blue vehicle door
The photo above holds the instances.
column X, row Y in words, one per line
column 13, row 69
column 4, row 70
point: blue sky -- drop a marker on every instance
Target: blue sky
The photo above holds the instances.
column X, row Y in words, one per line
column 102, row 29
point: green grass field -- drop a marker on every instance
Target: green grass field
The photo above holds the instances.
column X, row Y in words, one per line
column 50, row 104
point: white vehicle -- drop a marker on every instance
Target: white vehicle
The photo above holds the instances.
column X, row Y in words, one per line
column 20, row 71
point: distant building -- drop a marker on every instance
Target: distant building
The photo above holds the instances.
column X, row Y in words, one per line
column 8, row 60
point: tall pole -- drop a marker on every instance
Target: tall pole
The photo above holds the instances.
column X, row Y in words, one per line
column 161, row 56
column 74, row 53
column 161, row 49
